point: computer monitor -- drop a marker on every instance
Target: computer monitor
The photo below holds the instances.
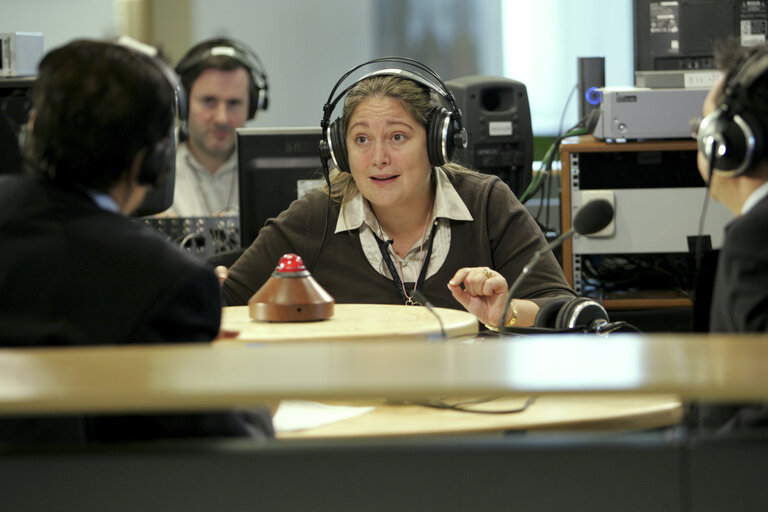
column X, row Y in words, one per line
column 275, row 166
column 681, row 35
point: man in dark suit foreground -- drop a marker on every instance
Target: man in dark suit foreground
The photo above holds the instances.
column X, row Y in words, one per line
column 74, row 270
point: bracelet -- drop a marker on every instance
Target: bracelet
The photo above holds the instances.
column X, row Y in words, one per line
column 510, row 323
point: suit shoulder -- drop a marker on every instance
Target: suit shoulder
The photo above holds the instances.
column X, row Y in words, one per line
column 750, row 228
column 147, row 246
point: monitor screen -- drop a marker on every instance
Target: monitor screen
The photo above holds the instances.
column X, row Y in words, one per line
column 275, row 167
column 679, row 35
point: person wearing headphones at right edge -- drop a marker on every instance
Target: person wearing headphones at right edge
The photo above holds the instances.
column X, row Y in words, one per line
column 732, row 140
column 736, row 109
column 402, row 216
column 226, row 85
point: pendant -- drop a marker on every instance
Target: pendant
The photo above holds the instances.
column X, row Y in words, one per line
column 411, row 302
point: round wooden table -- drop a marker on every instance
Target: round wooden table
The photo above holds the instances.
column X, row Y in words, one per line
column 354, row 322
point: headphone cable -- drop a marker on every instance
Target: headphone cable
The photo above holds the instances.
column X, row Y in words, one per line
column 326, row 174
column 699, row 251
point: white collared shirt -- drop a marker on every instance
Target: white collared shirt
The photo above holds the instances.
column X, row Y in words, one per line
column 357, row 213
column 103, row 201
column 755, row 197
column 198, row 193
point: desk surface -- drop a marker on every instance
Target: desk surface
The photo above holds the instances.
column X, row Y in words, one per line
column 552, row 412
column 200, row 377
column 589, row 143
column 358, row 322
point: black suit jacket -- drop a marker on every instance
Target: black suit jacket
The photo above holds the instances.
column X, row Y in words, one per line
column 739, row 305
column 72, row 273
column 740, row 296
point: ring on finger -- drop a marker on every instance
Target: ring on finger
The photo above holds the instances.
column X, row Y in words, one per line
column 488, row 273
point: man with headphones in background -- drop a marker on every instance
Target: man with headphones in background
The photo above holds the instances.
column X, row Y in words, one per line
column 732, row 160
column 74, row 269
column 226, row 85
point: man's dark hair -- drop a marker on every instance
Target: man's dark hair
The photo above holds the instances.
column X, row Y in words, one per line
column 96, row 105
column 730, row 56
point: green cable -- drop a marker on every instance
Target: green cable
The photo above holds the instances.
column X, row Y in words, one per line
column 546, row 163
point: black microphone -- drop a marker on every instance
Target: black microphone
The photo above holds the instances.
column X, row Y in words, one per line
column 591, row 218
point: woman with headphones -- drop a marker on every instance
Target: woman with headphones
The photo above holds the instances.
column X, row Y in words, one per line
column 398, row 216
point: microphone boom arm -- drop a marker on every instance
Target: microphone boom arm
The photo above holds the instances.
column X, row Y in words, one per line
column 527, row 268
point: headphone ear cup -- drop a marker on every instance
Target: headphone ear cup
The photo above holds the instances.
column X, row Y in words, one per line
column 720, row 134
column 253, row 100
column 263, row 102
column 257, row 96
column 159, row 162
column 749, row 158
column 735, row 145
column 338, row 146
column 548, row 312
column 440, row 136
column 737, row 141
column 151, row 168
column 580, row 311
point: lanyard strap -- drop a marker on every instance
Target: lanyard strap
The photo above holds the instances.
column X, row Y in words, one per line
column 396, row 275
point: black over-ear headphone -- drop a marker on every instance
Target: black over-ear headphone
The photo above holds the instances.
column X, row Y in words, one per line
column 445, row 130
column 731, row 137
column 567, row 313
column 160, row 160
column 258, row 91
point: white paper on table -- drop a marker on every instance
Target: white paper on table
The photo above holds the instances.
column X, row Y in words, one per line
column 301, row 414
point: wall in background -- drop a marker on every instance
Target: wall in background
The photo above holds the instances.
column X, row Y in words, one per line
column 305, row 48
column 543, row 40
column 306, row 45
column 59, row 21
column 454, row 37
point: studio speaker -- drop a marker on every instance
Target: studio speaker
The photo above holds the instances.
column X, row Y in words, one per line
column 497, row 117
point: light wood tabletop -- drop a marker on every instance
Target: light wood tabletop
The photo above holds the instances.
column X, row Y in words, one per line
column 357, row 322
column 549, row 412
column 200, row 377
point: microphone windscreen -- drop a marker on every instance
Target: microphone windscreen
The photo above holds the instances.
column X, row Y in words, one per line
column 592, row 217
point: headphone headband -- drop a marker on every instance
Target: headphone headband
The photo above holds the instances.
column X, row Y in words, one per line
column 151, row 55
column 752, row 68
column 442, row 90
column 445, row 129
